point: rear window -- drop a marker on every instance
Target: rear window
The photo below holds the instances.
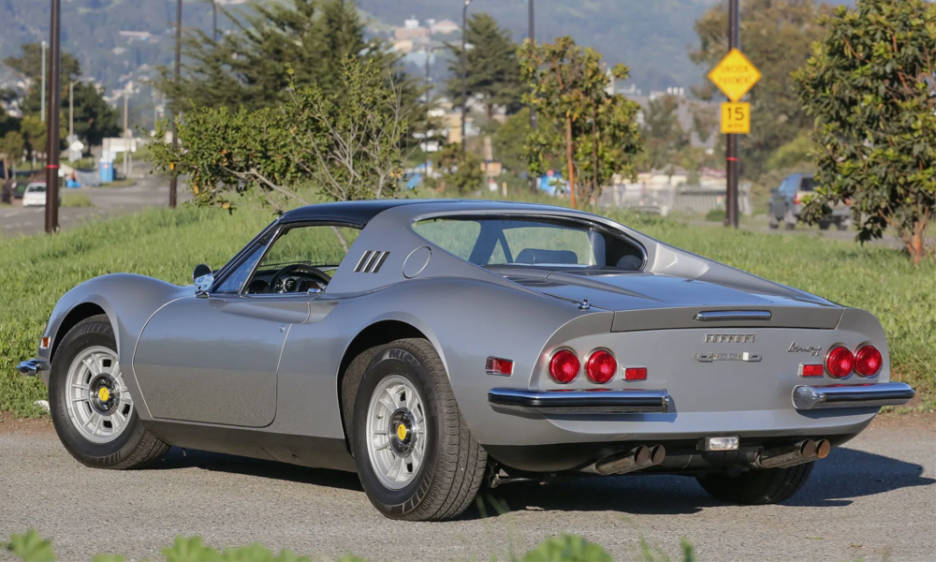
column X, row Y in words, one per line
column 36, row 189
column 535, row 242
column 807, row 184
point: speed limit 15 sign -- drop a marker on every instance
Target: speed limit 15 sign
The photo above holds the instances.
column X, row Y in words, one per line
column 736, row 118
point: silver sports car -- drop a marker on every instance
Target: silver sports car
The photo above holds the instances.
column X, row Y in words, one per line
column 437, row 346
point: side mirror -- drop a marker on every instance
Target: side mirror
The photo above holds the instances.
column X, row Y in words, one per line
column 203, row 278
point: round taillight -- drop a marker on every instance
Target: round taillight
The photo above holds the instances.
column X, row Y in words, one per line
column 840, row 362
column 600, row 366
column 868, row 361
column 564, row 366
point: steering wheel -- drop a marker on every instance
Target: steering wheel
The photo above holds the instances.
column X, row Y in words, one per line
column 281, row 280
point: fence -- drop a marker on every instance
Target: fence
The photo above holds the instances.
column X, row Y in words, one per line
column 664, row 199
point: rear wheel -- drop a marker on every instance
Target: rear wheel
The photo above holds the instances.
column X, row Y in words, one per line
column 415, row 456
column 92, row 409
column 789, row 219
column 756, row 487
column 772, row 221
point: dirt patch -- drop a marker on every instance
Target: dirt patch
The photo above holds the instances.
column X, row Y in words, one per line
column 911, row 420
column 10, row 424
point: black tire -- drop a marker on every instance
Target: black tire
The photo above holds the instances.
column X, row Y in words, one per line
column 772, row 221
column 825, row 224
column 453, row 464
column 757, row 487
column 789, row 219
column 134, row 446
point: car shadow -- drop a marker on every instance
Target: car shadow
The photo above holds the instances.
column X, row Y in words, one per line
column 846, row 474
column 178, row 458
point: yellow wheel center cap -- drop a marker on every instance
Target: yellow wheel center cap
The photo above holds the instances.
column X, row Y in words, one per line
column 103, row 394
column 401, row 432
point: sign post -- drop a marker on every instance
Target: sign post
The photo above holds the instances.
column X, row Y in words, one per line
column 734, row 76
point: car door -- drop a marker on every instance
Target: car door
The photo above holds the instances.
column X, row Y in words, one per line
column 214, row 358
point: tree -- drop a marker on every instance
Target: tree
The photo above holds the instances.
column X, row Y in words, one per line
column 274, row 47
column 662, row 132
column 11, row 147
column 345, row 141
column 869, row 86
column 94, row 117
column 491, row 69
column 29, row 65
column 597, row 130
column 775, row 36
column 460, row 170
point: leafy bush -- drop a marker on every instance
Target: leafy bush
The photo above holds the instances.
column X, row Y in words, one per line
column 31, row 547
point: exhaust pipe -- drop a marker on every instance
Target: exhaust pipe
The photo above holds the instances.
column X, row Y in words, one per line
column 801, row 453
column 637, row 458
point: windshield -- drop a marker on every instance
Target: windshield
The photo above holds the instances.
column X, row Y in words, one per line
column 532, row 242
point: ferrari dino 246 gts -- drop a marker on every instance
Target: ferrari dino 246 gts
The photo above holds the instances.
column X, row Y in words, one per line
column 435, row 346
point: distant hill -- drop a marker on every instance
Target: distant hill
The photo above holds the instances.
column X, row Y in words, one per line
column 120, row 40
column 653, row 37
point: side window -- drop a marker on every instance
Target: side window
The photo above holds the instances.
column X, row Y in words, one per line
column 233, row 282
column 301, row 259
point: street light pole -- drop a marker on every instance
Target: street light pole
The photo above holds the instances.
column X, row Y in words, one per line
column 42, row 103
column 464, row 73
column 52, row 126
column 731, row 141
column 214, row 19
column 174, row 178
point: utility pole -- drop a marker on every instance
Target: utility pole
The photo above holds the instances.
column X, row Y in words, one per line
column 126, row 130
column 71, row 109
column 42, row 104
column 174, row 178
column 731, row 141
column 214, row 19
column 52, row 126
column 531, row 33
column 464, row 73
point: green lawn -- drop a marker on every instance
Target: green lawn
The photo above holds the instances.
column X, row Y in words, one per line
column 36, row 271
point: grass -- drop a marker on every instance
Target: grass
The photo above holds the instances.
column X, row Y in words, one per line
column 36, row 271
column 76, row 200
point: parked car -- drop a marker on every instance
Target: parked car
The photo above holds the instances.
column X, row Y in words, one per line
column 786, row 203
column 433, row 346
column 34, row 195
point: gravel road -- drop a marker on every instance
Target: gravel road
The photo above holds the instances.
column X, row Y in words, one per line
column 873, row 499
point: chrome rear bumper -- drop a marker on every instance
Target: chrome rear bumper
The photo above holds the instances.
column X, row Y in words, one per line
column 32, row 367
column 854, row 396
column 580, row 402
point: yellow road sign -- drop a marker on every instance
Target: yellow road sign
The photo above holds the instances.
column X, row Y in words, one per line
column 734, row 75
column 736, row 118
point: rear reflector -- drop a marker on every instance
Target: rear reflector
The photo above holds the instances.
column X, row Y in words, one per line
column 635, row 374
column 813, row 370
column 499, row 366
column 564, row 366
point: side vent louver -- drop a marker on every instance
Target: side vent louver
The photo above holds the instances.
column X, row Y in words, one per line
column 371, row 261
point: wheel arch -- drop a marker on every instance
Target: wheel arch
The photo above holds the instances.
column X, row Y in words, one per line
column 78, row 313
column 378, row 333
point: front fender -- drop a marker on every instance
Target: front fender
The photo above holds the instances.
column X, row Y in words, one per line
column 127, row 300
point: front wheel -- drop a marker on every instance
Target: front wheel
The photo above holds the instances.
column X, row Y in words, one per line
column 92, row 410
column 415, row 456
column 756, row 487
